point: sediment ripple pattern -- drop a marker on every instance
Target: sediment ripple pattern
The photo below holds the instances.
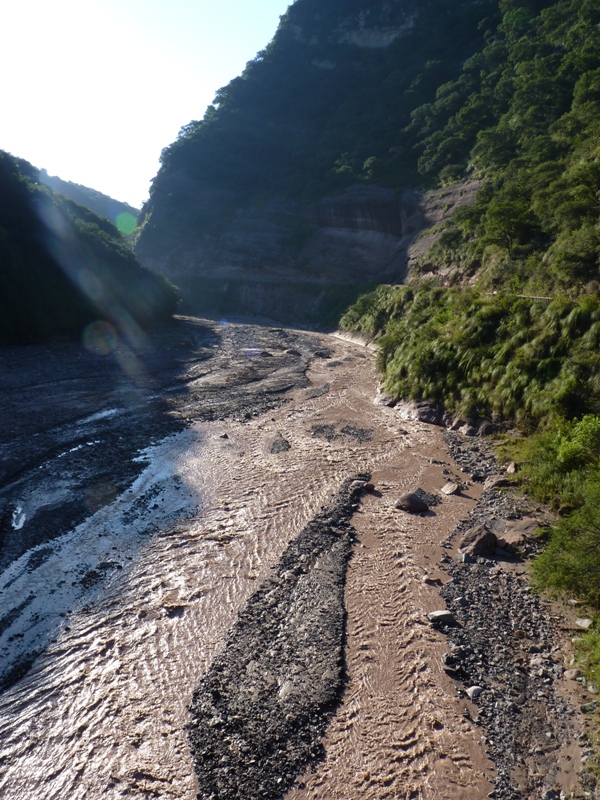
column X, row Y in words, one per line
column 104, row 711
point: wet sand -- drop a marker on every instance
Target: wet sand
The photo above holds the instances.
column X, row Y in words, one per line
column 104, row 711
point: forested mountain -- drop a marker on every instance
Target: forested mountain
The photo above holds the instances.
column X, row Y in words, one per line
column 523, row 116
column 122, row 215
column 292, row 176
column 62, row 267
column 502, row 321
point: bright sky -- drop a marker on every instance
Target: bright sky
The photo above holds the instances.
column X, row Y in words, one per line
column 92, row 90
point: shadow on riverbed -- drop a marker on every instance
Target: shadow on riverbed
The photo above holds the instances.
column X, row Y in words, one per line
column 76, row 430
column 74, row 417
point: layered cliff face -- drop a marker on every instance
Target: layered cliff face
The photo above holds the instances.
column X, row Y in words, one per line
column 290, row 196
column 291, row 261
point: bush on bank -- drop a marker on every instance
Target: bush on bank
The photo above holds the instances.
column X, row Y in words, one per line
column 535, row 362
column 530, row 360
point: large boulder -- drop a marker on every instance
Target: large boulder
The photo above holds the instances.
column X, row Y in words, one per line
column 412, row 503
column 478, row 541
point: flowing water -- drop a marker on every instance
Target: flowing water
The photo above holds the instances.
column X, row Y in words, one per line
column 103, row 711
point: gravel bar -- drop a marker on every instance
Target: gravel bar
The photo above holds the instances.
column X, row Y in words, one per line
column 261, row 711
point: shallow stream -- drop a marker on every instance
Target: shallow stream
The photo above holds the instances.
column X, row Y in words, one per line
column 129, row 605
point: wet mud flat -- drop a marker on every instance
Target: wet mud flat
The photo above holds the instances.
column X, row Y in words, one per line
column 261, row 629
column 73, row 419
column 74, row 429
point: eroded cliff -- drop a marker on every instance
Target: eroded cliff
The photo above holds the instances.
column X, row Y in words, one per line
column 291, row 196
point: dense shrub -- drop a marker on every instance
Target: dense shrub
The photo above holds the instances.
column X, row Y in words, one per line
column 530, row 360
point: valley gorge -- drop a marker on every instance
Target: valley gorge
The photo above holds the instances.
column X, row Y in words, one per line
column 300, row 478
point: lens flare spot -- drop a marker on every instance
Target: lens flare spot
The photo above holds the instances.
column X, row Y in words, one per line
column 100, row 337
column 126, row 223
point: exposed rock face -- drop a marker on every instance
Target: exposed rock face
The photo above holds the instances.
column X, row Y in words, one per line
column 275, row 203
column 288, row 261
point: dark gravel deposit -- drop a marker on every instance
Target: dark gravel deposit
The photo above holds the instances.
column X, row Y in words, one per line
column 473, row 456
column 504, row 643
column 360, row 434
column 504, row 646
column 262, row 709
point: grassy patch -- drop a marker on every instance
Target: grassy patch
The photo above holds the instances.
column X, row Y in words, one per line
column 529, row 360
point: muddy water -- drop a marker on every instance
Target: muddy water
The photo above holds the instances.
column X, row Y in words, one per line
column 103, row 712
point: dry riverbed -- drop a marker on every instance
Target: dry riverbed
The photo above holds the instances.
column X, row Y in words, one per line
column 187, row 541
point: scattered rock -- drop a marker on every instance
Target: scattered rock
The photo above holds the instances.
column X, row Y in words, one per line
column 369, row 488
column 468, row 430
column 474, row 692
column 383, row 398
column 451, row 488
column 571, row 674
column 412, row 503
column 432, row 581
column 479, row 541
column 224, row 436
column 486, row 428
column 496, row 482
column 280, row 445
column 511, row 468
column 585, row 623
column 457, row 423
column 442, row 616
column 432, row 413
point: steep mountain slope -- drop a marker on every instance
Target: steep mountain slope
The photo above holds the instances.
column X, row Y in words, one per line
column 62, row 267
column 523, row 340
column 503, row 321
column 288, row 186
column 120, row 214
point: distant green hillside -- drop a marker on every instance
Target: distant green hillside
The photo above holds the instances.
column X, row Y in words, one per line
column 62, row 267
column 122, row 215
